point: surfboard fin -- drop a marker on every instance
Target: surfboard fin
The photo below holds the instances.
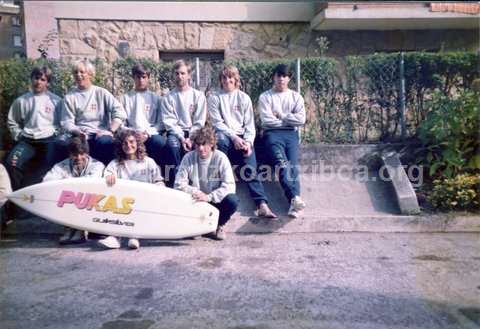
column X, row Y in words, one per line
column 28, row 198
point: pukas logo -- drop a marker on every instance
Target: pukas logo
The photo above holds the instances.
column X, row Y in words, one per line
column 99, row 202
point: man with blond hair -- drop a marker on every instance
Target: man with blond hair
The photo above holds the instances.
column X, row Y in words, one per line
column 184, row 110
column 92, row 111
column 232, row 116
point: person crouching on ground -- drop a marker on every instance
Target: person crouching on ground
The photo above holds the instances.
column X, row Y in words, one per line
column 207, row 175
column 131, row 162
column 78, row 164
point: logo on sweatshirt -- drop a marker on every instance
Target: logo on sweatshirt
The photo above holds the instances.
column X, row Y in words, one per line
column 93, row 107
column 147, row 108
column 48, row 109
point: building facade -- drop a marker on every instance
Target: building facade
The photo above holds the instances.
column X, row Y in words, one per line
column 163, row 30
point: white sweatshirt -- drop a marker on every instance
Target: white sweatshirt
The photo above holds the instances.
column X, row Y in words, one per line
column 184, row 111
column 91, row 110
column 143, row 111
column 145, row 170
column 219, row 182
column 232, row 113
column 64, row 169
column 34, row 116
column 288, row 105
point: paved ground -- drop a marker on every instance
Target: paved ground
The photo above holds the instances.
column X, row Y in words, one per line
column 264, row 281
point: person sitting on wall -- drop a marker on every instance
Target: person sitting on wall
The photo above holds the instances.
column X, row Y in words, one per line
column 207, row 175
column 92, row 111
column 5, row 189
column 33, row 124
column 282, row 111
column 131, row 162
column 78, row 164
column 184, row 110
column 231, row 113
column 143, row 113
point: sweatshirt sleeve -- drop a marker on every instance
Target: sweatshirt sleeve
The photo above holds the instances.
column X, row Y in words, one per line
column 200, row 115
column 216, row 116
column 68, row 114
column 15, row 119
column 5, row 185
column 249, row 123
column 265, row 108
column 169, row 117
column 56, row 173
column 115, row 108
column 227, row 186
column 181, row 179
column 297, row 116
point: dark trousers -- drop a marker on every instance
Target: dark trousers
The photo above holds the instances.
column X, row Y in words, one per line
column 101, row 148
column 227, row 208
column 32, row 156
column 155, row 145
column 248, row 167
column 173, row 156
column 281, row 147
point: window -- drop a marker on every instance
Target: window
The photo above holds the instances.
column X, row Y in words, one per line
column 218, row 55
column 17, row 41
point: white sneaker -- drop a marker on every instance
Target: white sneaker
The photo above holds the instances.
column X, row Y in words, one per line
column 297, row 203
column 67, row 235
column 110, row 242
column 133, row 243
column 293, row 213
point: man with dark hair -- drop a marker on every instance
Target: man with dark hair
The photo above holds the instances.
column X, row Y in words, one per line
column 282, row 111
column 33, row 121
column 184, row 110
column 78, row 164
column 207, row 175
column 232, row 116
column 143, row 113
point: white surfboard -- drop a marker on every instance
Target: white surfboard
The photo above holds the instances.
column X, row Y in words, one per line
column 128, row 209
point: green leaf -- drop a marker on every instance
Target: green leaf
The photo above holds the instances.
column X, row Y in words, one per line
column 474, row 162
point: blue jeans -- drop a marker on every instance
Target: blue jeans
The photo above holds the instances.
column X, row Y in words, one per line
column 281, row 147
column 101, row 148
column 33, row 156
column 227, row 208
column 173, row 156
column 155, row 145
column 248, row 167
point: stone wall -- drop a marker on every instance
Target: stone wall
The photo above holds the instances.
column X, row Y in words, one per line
column 105, row 39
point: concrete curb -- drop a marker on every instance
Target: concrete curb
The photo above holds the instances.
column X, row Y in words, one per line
column 437, row 223
column 404, row 192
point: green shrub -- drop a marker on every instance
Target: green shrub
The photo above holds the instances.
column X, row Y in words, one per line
column 457, row 193
column 450, row 135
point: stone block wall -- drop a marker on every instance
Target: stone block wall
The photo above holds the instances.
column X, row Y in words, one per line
column 110, row 40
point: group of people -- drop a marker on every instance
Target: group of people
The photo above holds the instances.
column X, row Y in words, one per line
column 192, row 140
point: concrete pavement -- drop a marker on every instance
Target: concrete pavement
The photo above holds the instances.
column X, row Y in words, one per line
column 262, row 281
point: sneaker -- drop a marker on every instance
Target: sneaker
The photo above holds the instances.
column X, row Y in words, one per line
column 133, row 243
column 77, row 237
column 264, row 211
column 292, row 212
column 67, row 235
column 110, row 242
column 297, row 203
column 220, row 233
